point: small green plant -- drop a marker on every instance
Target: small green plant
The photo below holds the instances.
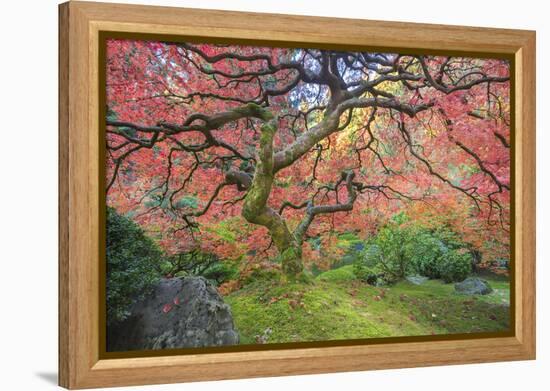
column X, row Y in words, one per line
column 388, row 251
column 402, row 248
column 133, row 262
column 370, row 275
column 426, row 251
column 199, row 263
column 220, row 272
column 455, row 266
column 263, row 274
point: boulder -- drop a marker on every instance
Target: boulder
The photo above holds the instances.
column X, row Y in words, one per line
column 416, row 280
column 179, row 313
column 473, row 286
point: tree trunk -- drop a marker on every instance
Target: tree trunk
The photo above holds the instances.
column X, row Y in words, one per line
column 256, row 211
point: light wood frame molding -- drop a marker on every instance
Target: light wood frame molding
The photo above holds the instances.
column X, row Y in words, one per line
column 80, row 365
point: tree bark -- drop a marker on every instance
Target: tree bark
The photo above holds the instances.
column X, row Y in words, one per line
column 312, row 211
column 256, row 211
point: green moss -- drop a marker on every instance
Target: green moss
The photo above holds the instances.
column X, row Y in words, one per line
column 291, row 260
column 344, row 273
column 268, row 128
column 336, row 306
column 252, row 109
column 298, row 313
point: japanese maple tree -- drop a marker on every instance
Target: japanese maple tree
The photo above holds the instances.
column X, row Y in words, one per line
column 282, row 144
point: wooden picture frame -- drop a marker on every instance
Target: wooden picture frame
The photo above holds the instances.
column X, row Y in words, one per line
column 80, row 363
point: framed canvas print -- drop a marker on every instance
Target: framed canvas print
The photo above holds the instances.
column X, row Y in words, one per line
column 248, row 195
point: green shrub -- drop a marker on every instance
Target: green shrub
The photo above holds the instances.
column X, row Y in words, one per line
column 455, row 266
column 370, row 275
column 132, row 265
column 165, row 267
column 220, row 272
column 267, row 274
column 371, row 255
column 199, row 263
column 403, row 248
column 425, row 252
column 388, row 250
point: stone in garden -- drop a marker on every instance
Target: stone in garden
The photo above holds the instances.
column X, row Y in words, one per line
column 473, row 286
column 179, row 313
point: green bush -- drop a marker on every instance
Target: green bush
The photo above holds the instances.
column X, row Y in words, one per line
column 455, row 266
column 220, row 272
column 371, row 255
column 267, row 274
column 370, row 275
column 165, row 267
column 132, row 265
column 425, row 252
column 388, row 251
column 199, row 263
column 403, row 248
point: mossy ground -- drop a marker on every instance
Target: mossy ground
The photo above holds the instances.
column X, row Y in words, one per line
column 337, row 306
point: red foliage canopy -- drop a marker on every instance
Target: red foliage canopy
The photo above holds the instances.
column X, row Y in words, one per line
column 359, row 137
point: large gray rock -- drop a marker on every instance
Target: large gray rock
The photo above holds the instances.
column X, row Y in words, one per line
column 473, row 286
column 180, row 313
